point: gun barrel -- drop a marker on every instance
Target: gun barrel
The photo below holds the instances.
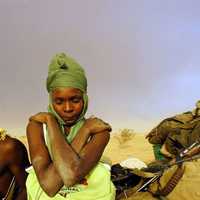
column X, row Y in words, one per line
column 194, row 157
column 189, row 151
column 154, row 178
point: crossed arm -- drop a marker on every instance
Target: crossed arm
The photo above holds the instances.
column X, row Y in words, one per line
column 70, row 162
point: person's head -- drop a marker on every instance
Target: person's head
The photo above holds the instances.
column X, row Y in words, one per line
column 196, row 111
column 67, row 87
column 68, row 103
column 198, row 104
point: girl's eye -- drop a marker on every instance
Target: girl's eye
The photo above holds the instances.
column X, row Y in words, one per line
column 58, row 101
column 76, row 100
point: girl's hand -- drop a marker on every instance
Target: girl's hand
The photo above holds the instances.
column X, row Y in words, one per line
column 96, row 125
column 41, row 117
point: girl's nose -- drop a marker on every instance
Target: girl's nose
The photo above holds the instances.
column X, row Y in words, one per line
column 68, row 107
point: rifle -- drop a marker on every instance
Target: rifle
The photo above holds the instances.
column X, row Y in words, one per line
column 188, row 154
column 193, row 149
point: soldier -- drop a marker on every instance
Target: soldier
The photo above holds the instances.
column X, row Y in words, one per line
column 175, row 133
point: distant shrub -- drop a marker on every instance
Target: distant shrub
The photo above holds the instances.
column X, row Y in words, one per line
column 124, row 135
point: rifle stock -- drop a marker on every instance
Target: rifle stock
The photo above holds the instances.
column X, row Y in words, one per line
column 188, row 154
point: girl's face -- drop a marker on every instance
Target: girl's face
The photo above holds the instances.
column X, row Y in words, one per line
column 68, row 104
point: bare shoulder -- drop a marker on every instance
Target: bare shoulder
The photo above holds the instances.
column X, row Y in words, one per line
column 13, row 149
column 12, row 144
column 36, row 141
column 35, row 136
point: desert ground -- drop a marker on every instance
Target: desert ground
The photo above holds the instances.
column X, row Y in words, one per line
column 126, row 144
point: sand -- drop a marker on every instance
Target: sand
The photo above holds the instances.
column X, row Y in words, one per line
column 123, row 146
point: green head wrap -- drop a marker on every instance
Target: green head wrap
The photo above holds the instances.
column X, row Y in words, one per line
column 64, row 72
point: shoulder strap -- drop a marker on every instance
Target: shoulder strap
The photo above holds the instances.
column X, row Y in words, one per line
column 171, row 184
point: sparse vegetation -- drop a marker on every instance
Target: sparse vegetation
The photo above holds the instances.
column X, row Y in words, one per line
column 124, row 135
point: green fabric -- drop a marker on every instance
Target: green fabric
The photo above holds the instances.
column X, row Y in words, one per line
column 60, row 120
column 156, row 149
column 75, row 128
column 98, row 187
column 64, row 71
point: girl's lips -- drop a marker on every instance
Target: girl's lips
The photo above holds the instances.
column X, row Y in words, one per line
column 68, row 119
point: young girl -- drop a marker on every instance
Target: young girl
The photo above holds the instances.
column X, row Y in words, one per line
column 66, row 148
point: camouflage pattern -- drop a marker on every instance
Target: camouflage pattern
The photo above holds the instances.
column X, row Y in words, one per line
column 171, row 125
column 177, row 132
column 184, row 138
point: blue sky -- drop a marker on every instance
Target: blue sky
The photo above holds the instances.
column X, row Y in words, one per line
column 141, row 57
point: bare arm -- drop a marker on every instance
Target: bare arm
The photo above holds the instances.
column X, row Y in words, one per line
column 73, row 167
column 47, row 173
column 91, row 127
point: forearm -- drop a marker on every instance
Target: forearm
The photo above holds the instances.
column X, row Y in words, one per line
column 91, row 127
column 64, row 158
column 46, row 172
column 81, row 139
column 49, row 180
column 47, row 175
